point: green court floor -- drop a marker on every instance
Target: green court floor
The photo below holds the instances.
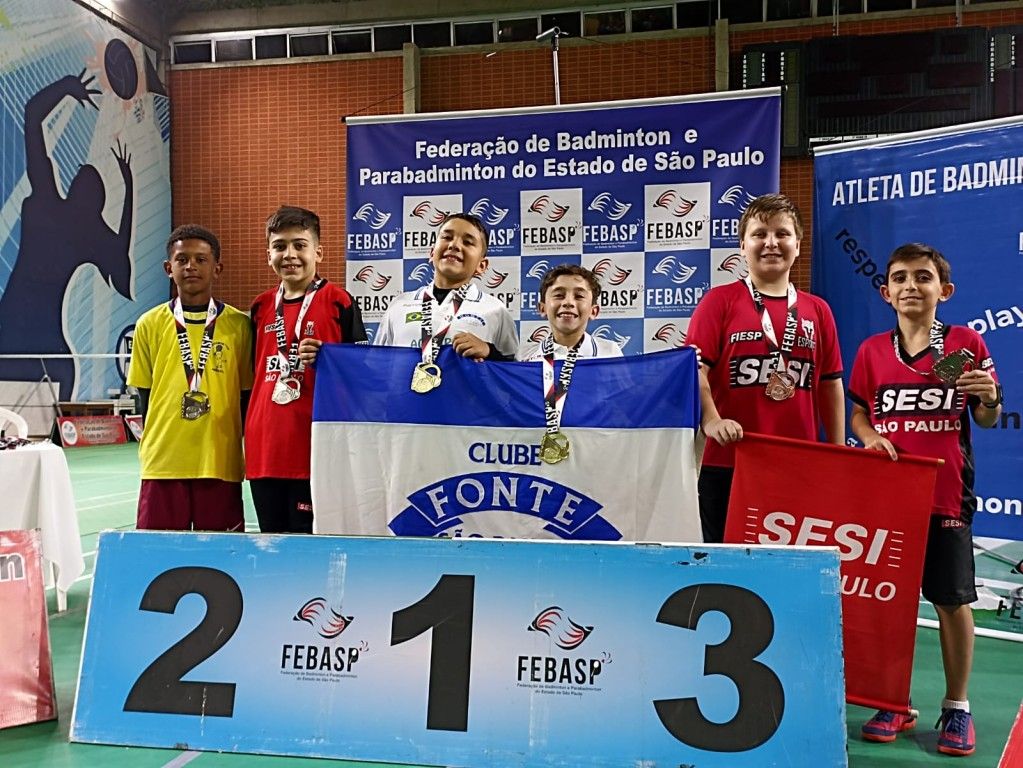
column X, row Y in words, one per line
column 105, row 480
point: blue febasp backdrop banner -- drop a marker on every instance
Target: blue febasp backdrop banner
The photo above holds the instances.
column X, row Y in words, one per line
column 961, row 191
column 464, row 459
column 85, row 191
column 647, row 194
column 465, row 653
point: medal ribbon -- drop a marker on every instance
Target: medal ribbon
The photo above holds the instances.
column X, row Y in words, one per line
column 788, row 339
column 429, row 341
column 193, row 372
column 554, row 396
column 935, row 344
column 289, row 355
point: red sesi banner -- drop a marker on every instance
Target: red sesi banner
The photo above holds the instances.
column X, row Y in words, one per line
column 1012, row 756
column 876, row 511
column 26, row 672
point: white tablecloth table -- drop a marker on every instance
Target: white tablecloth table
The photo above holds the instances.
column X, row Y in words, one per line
column 35, row 492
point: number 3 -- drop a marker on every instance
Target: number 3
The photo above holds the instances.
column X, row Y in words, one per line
column 761, row 698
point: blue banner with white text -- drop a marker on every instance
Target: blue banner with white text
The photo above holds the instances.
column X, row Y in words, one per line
column 647, row 194
column 960, row 191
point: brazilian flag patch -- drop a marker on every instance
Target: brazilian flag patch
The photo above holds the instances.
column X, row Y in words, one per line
column 414, row 317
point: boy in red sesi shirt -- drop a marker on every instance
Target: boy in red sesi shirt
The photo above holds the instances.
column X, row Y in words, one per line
column 278, row 428
column 769, row 355
column 905, row 398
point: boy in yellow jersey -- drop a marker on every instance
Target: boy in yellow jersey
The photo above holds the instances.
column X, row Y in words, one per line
column 192, row 362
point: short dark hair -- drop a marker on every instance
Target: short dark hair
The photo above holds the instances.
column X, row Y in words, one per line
column 473, row 219
column 291, row 216
column 767, row 207
column 570, row 269
column 194, row 232
column 910, row 251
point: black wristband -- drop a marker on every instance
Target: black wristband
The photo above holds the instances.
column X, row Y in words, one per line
column 999, row 398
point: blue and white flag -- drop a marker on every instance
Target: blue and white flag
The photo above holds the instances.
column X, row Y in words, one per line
column 463, row 460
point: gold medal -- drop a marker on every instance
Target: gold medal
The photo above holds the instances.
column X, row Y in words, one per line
column 554, row 447
column 194, row 405
column 425, row 378
column 780, row 386
column 286, row 390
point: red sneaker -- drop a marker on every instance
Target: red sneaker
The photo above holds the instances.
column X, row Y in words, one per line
column 885, row 725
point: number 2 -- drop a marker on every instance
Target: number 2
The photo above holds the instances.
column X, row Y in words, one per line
column 160, row 688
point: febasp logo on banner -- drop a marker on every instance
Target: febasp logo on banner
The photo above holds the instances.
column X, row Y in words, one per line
column 500, row 220
column 557, row 664
column 613, row 222
column 420, row 217
column 374, row 284
column 660, row 335
column 726, row 266
column 552, row 221
column 677, row 216
column 501, row 280
column 675, row 283
column 314, row 654
column 621, row 281
column 373, row 232
column 532, row 271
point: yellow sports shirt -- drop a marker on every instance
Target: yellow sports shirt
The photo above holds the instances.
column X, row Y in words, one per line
column 174, row 448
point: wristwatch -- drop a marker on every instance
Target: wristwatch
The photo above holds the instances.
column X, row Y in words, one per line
column 999, row 398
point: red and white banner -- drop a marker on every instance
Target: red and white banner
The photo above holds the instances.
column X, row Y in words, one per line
column 76, row 431
column 1012, row 756
column 26, row 672
column 876, row 511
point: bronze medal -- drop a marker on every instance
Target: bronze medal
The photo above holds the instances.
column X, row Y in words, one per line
column 554, row 447
column 425, row 378
column 194, row 405
column 286, row 390
column 780, row 386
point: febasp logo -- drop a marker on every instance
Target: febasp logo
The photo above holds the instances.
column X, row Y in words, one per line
column 735, row 265
column 556, row 624
column 737, row 197
column 674, row 269
column 671, row 335
column 327, row 622
column 612, row 208
column 557, row 672
column 488, row 212
column 548, row 208
column 372, row 277
column 493, row 278
column 605, row 331
column 538, row 270
column 677, row 216
column 370, row 238
column 610, row 273
column 374, row 217
column 675, row 204
column 539, row 334
column 323, row 661
column 420, row 274
column 429, row 212
column 551, row 221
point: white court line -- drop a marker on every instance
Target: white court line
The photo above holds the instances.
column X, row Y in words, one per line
column 183, row 759
column 109, row 495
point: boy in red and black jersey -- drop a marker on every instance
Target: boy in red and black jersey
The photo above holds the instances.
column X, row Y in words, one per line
column 278, row 429
column 913, row 390
column 770, row 359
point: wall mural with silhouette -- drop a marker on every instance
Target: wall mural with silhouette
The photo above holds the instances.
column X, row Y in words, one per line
column 85, row 198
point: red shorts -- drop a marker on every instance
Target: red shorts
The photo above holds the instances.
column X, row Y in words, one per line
column 184, row 505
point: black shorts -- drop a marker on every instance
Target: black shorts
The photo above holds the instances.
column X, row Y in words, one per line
column 714, row 487
column 949, row 570
column 283, row 505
